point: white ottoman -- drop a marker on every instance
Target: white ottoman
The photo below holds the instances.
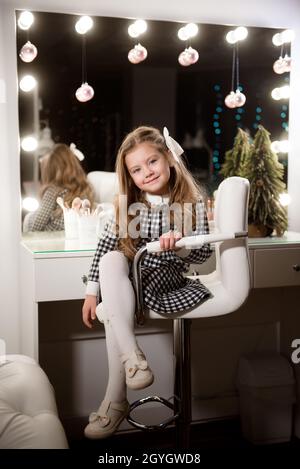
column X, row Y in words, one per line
column 28, row 413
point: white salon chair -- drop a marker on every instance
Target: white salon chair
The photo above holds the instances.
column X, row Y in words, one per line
column 229, row 284
column 105, row 185
column 28, row 413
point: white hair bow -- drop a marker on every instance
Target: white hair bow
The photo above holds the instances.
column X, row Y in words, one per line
column 173, row 146
column 76, row 152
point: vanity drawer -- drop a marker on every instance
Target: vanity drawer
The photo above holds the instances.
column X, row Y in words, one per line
column 60, row 278
column 274, row 267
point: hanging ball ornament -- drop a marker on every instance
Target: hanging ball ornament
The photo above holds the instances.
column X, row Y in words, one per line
column 137, row 54
column 279, row 66
column 288, row 63
column 230, row 100
column 192, row 55
column 28, row 52
column 183, row 59
column 132, row 57
column 140, row 52
column 239, row 99
column 84, row 93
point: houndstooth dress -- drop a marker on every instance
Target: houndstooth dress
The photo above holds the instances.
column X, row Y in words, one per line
column 45, row 219
column 166, row 289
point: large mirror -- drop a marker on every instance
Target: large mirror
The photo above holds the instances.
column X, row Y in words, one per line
column 158, row 91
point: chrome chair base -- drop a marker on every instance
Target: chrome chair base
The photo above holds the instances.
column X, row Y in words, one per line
column 182, row 388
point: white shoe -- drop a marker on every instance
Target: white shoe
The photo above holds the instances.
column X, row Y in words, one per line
column 138, row 373
column 106, row 420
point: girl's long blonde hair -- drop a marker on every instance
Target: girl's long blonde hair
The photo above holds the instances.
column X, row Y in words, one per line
column 183, row 187
column 63, row 170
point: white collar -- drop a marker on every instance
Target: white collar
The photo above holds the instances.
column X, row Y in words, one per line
column 157, row 199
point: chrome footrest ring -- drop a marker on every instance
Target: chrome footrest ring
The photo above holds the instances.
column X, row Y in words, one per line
column 159, row 426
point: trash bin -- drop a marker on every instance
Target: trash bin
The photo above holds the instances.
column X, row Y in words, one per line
column 266, row 388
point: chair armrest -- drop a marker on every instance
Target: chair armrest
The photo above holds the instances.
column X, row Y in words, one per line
column 195, row 242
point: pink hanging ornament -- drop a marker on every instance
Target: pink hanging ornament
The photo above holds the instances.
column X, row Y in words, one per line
column 192, row 55
column 279, row 66
column 230, row 100
column 141, row 52
column 137, row 54
column 288, row 63
column 84, row 93
column 132, row 57
column 239, row 99
column 28, row 52
column 183, row 59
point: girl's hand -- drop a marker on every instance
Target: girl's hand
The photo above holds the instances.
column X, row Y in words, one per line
column 168, row 240
column 89, row 310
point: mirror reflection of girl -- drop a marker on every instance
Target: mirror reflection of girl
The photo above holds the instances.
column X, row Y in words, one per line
column 150, row 171
column 61, row 176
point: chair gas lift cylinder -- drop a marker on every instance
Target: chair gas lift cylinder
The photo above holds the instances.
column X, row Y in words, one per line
column 229, row 284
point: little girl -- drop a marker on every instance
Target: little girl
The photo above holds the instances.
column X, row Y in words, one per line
column 62, row 175
column 152, row 176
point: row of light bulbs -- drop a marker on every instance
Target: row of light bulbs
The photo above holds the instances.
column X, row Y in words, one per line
column 188, row 57
column 139, row 53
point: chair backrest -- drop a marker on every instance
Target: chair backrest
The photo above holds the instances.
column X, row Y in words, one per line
column 232, row 257
column 105, row 185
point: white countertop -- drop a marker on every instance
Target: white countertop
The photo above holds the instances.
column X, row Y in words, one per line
column 54, row 244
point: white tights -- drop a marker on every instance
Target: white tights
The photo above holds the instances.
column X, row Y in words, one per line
column 118, row 308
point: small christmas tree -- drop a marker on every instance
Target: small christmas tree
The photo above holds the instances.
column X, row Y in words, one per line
column 235, row 158
column 265, row 176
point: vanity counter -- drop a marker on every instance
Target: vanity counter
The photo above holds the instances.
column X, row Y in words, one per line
column 52, row 269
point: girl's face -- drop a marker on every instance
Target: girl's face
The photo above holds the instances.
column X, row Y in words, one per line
column 149, row 169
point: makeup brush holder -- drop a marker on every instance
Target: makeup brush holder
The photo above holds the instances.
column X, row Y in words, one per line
column 71, row 224
column 87, row 230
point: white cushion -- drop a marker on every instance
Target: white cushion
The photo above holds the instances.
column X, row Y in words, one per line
column 28, row 413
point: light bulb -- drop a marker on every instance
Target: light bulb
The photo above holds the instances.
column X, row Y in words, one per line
column 29, row 143
column 277, row 39
column 25, row 20
column 133, row 31
column 276, row 94
column 84, row 24
column 241, row 33
column 275, row 146
column 284, row 199
column 30, row 204
column 191, row 29
column 183, row 34
column 141, row 26
column 27, row 83
column 231, row 37
column 284, row 146
column 288, row 35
